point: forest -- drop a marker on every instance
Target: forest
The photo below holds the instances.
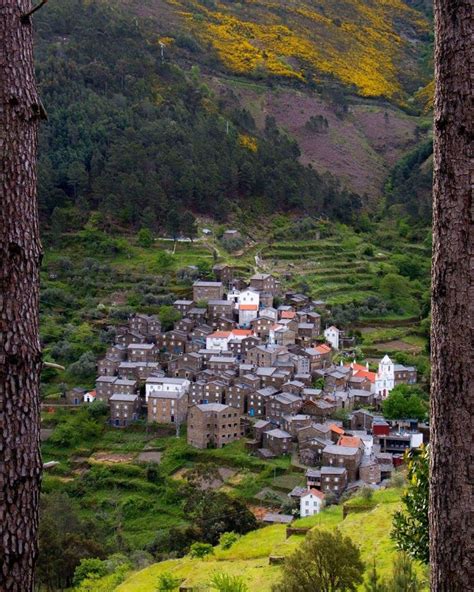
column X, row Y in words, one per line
column 134, row 136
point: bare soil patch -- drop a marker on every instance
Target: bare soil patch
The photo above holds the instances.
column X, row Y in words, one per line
column 152, row 456
column 397, row 345
column 111, row 457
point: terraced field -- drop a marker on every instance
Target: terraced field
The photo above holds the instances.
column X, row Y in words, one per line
column 333, row 271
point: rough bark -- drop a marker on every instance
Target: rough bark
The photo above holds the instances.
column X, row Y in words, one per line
column 20, row 252
column 452, row 394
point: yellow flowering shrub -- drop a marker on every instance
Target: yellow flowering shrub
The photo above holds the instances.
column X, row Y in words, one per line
column 355, row 41
column 248, row 142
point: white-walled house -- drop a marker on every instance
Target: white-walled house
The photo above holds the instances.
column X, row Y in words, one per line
column 311, row 503
column 155, row 384
column 219, row 340
column 333, row 336
column 385, row 378
column 247, row 314
column 249, row 296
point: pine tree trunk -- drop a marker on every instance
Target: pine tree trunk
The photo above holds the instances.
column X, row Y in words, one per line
column 452, row 394
column 20, row 252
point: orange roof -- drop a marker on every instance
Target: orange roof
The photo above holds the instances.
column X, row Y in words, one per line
column 92, row 393
column 349, row 441
column 315, row 492
column 366, row 374
column 242, row 332
column 248, row 307
column 220, row 334
column 288, row 314
column 323, row 349
column 361, row 371
column 336, row 429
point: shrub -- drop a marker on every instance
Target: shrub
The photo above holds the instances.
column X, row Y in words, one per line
column 167, row 582
column 87, row 568
column 227, row 539
column 201, row 550
column 226, row 583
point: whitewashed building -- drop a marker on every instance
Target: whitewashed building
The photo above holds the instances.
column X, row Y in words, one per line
column 385, row 378
column 333, row 336
column 156, row 384
column 311, row 503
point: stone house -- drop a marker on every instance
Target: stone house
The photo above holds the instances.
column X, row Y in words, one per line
column 219, row 308
column 361, row 419
column 333, row 479
column 197, row 314
column 319, row 409
column 174, row 342
column 183, row 306
column 167, row 407
column 261, row 326
column 185, row 325
column 237, row 395
column 75, row 396
column 108, row 366
column 282, row 404
column 259, row 428
column 142, row 352
column 263, row 355
column 311, row 451
column 223, row 324
column 257, row 401
column 214, row 392
column 294, row 423
column 124, row 409
column 343, row 456
column 306, row 333
column 127, row 337
column 264, row 282
column 207, row 291
column 251, row 379
column 117, row 352
column 278, row 441
column 404, row 374
column 370, row 470
column 104, row 387
column 221, row 363
column 362, row 397
column 148, row 325
column 213, row 425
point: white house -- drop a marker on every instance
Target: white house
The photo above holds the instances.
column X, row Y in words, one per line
column 311, row 503
column 155, row 384
column 385, row 378
column 249, row 296
column 333, row 336
column 219, row 340
column 89, row 397
column 247, row 314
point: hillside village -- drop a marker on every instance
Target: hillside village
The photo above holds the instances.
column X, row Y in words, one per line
column 234, row 366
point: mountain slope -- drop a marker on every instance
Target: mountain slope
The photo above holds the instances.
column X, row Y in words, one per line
column 371, row 47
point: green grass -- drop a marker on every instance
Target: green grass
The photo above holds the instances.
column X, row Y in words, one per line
column 249, row 556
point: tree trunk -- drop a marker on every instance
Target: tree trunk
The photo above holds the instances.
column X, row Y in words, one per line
column 452, row 393
column 20, row 252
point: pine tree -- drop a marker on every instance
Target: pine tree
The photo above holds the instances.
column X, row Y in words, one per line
column 20, row 255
